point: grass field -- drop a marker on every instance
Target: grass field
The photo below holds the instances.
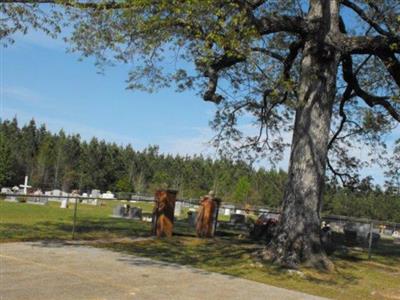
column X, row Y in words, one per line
column 355, row 277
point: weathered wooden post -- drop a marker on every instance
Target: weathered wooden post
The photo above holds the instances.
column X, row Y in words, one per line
column 163, row 213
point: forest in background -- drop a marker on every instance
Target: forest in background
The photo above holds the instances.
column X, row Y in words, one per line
column 67, row 162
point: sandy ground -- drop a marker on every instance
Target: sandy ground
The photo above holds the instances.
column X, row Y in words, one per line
column 57, row 271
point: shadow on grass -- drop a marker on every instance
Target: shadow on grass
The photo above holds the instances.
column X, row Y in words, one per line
column 62, row 230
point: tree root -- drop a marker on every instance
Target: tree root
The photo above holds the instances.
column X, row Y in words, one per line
column 273, row 254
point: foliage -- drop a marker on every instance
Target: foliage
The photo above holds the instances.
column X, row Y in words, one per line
column 67, row 162
column 393, row 169
column 244, row 56
column 96, row 164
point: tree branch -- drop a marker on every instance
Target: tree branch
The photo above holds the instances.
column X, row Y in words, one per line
column 273, row 23
column 369, row 99
column 368, row 44
column 364, row 16
column 211, row 73
column 392, row 64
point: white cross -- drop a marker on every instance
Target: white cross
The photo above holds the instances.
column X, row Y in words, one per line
column 25, row 185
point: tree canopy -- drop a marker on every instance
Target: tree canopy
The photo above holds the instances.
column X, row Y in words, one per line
column 244, row 56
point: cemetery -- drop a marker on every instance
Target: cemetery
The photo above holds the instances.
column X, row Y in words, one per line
column 187, row 230
column 282, row 182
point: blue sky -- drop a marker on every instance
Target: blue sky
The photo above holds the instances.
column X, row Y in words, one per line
column 40, row 80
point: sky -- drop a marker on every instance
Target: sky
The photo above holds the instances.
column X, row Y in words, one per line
column 40, row 80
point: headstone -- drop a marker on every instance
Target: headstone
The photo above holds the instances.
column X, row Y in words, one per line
column 359, row 232
column 228, row 209
column 64, row 203
column 237, row 219
column 135, row 213
column 163, row 212
column 95, row 194
column 6, row 190
column 192, row 216
column 107, row 195
column 38, row 199
column 119, row 211
column 178, row 208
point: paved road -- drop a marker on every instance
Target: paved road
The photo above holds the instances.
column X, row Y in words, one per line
column 58, row 271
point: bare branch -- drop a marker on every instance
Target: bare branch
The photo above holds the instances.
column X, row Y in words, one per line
column 369, row 99
column 364, row 16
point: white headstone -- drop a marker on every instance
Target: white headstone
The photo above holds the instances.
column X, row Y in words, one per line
column 64, row 203
column 107, row 195
column 95, row 194
column 6, row 190
column 178, row 208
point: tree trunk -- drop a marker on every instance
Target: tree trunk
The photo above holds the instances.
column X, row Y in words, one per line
column 298, row 235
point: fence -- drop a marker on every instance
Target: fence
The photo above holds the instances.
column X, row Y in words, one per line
column 364, row 230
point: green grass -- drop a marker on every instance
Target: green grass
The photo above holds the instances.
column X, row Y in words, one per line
column 25, row 222
column 355, row 276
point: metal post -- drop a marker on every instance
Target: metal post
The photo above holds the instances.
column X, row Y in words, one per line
column 74, row 222
column 370, row 240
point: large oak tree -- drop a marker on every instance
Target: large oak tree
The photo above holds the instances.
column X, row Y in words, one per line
column 326, row 70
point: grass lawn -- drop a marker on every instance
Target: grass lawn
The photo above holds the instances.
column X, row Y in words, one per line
column 26, row 222
column 355, row 277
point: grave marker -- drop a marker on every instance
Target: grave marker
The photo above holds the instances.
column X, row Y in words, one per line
column 25, row 186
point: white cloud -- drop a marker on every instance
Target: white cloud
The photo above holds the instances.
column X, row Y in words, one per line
column 198, row 143
column 20, row 93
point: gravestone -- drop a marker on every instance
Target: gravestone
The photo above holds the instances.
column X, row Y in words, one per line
column 228, row 209
column 192, row 216
column 55, row 193
column 38, row 199
column 359, row 232
column 163, row 212
column 95, row 194
column 119, row 211
column 64, row 203
column 107, row 195
column 178, row 209
column 237, row 219
column 6, row 190
column 135, row 213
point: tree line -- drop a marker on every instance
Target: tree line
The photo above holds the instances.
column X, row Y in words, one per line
column 67, row 162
